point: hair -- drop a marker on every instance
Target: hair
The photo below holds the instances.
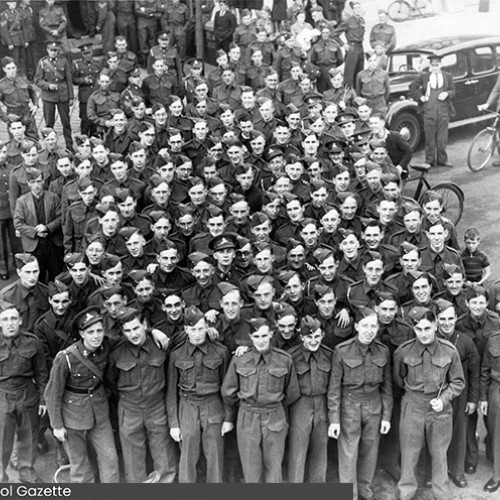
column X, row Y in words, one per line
column 7, row 60
column 431, row 195
column 471, row 234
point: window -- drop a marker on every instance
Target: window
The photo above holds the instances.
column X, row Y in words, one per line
column 456, row 64
column 411, row 63
column 482, row 60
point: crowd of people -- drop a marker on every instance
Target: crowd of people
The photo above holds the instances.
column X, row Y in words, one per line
column 221, row 270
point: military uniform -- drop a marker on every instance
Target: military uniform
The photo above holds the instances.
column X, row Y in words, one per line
column 12, row 33
column 309, row 415
column 359, row 398
column 326, row 54
column 375, row 87
column 385, row 34
column 56, row 71
column 158, row 89
column 126, row 23
column 264, row 385
column 176, row 18
column 85, row 74
column 432, row 262
column 77, row 401
column 31, row 303
column 170, row 57
column 137, row 375
column 426, row 372
column 23, row 375
column 53, row 19
column 16, row 94
column 194, row 404
column 29, row 37
column 146, row 12
column 99, row 108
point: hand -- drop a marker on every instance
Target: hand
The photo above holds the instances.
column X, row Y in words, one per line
column 400, row 169
column 437, row 404
column 342, row 105
column 443, row 96
column 60, row 434
column 347, row 47
column 334, row 431
column 98, row 280
column 240, row 350
column 385, row 427
column 343, row 318
column 54, row 33
column 42, row 410
column 33, row 108
column 212, row 333
column 470, row 408
column 175, row 433
column 424, row 99
column 211, row 316
column 151, row 268
column 226, row 427
column 26, row 45
column 161, row 340
column 483, row 405
column 71, row 102
column 53, row 86
column 11, row 47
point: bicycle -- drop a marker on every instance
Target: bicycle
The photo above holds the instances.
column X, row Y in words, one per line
column 484, row 144
column 452, row 194
column 402, row 10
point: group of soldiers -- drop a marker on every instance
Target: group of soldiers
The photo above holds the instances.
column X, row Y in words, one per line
column 221, row 271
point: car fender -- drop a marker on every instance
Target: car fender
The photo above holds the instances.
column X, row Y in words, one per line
column 401, row 105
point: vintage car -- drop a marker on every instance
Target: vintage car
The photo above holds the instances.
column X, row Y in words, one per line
column 474, row 62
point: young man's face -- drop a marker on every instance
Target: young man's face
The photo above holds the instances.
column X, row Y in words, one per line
column 231, row 305
column 386, row 311
column 113, row 275
column 261, row 339
column 197, row 334
column 477, row 306
column 425, row 331
column 60, row 303
column 135, row 331
column 173, row 306
column 36, row 186
column 79, row 273
column 263, row 296
column 114, row 304
column 446, row 321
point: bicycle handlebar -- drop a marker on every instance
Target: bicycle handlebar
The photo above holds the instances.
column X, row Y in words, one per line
column 489, row 111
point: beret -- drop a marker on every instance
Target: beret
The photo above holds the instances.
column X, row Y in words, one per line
column 192, row 315
column 22, row 259
column 309, row 325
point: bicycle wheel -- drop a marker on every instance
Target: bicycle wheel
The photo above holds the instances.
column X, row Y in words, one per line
column 399, row 10
column 481, row 149
column 453, row 200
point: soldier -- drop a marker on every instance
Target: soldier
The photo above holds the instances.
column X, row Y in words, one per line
column 264, row 383
column 53, row 76
column 373, row 84
column 176, row 19
column 85, row 74
column 23, row 380
column 164, row 50
column 224, row 26
column 159, row 86
column 127, row 60
column 126, row 23
column 18, row 96
column 354, row 29
column 53, row 22
column 100, row 104
column 309, row 414
column 383, row 33
column 196, row 412
column 147, row 14
column 360, row 402
column 132, row 93
column 429, row 370
column 77, row 402
column 136, row 373
column 29, row 37
column 12, row 33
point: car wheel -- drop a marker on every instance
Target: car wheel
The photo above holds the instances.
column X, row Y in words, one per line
column 410, row 122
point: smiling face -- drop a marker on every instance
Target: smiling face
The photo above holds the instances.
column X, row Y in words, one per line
column 60, row 302
column 422, row 290
column 197, row 334
column 367, row 329
column 326, row 304
column 93, row 336
column 261, row 339
column 173, row 306
column 446, row 321
column 425, row 331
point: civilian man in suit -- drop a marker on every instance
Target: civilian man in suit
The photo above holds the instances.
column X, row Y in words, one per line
column 38, row 219
column 434, row 91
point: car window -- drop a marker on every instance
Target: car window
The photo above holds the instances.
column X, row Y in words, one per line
column 456, row 64
column 481, row 60
column 407, row 62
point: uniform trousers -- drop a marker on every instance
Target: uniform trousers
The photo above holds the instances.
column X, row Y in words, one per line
column 146, row 34
column 16, row 419
column 261, row 434
column 101, row 438
column 493, row 423
column 360, row 418
column 126, row 26
column 49, row 115
column 9, row 241
column 201, row 423
column 419, row 424
column 307, row 439
column 139, row 427
column 456, row 451
column 353, row 63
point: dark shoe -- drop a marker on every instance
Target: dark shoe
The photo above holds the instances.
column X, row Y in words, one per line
column 491, row 486
column 470, row 469
column 43, row 445
column 4, row 276
column 496, row 163
column 458, row 481
column 446, row 165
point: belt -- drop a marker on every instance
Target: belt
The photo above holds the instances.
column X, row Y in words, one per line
column 419, row 397
column 361, row 396
column 81, row 390
column 261, row 409
column 202, row 399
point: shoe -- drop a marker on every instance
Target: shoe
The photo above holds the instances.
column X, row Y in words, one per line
column 446, row 165
column 496, row 163
column 470, row 469
column 491, row 486
column 43, row 445
column 31, row 480
column 458, row 481
column 4, row 276
column 154, row 477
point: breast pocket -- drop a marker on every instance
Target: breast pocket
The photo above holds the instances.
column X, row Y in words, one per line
column 353, row 371
column 440, row 367
column 376, row 370
column 415, row 370
column 127, row 377
column 276, row 381
column 495, row 362
column 186, row 373
column 25, row 356
column 211, row 369
column 247, row 374
column 324, row 370
column 157, row 369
